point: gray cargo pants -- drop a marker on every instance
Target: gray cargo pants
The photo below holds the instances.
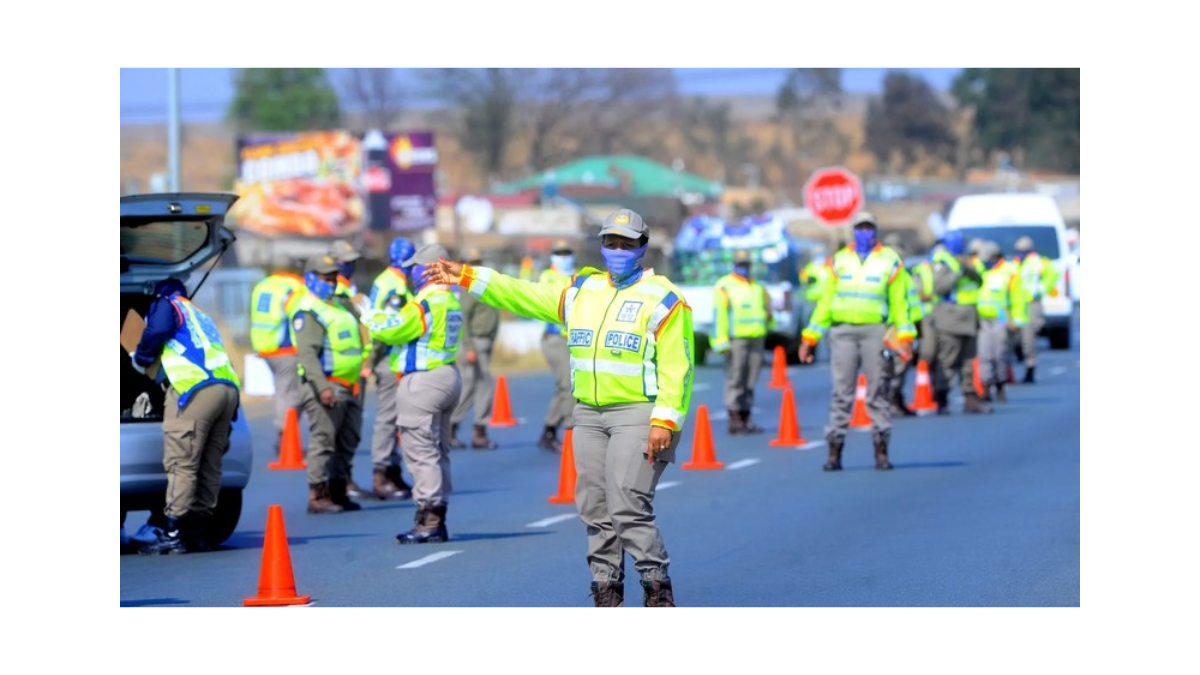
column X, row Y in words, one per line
column 384, row 444
column 853, row 347
column 743, row 364
column 424, row 403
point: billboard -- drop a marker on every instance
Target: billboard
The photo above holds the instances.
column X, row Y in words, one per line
column 412, row 199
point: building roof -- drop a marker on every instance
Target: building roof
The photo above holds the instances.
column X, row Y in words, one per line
column 639, row 176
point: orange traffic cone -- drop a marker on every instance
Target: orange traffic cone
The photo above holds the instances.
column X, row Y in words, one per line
column 923, row 394
column 566, row 472
column 779, row 369
column 275, row 583
column 291, row 455
column 980, row 390
column 703, row 456
column 789, row 428
column 861, row 419
column 501, row 408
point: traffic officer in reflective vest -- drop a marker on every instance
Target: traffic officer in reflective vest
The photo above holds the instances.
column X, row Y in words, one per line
column 271, row 337
column 956, row 280
column 743, row 315
column 200, row 406
column 1002, row 311
column 427, row 332
column 329, row 347
column 867, row 293
column 631, row 341
column 389, row 294
column 1039, row 278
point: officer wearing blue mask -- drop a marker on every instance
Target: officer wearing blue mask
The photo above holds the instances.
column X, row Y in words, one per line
column 742, row 311
column 957, row 278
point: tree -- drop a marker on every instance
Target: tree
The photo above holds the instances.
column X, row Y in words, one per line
column 626, row 98
column 377, row 92
column 806, row 107
column 708, row 129
column 555, row 98
column 487, row 100
column 283, row 99
column 1032, row 114
column 908, row 123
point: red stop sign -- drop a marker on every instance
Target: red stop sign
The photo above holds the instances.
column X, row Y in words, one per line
column 833, row 195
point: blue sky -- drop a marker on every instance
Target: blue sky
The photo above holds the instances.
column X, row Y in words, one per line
column 205, row 93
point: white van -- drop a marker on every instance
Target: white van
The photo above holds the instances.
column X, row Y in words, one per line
column 1006, row 217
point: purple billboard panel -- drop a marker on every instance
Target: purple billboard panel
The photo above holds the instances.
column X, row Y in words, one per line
column 412, row 159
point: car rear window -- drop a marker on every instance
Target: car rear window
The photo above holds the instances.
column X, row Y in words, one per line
column 159, row 241
column 1045, row 237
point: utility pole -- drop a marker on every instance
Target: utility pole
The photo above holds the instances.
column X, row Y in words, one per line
column 173, row 129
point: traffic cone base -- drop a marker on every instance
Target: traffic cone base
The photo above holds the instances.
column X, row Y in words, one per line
column 276, row 586
column 291, row 454
column 923, row 403
column 566, row 472
column 779, row 369
column 501, row 407
column 703, row 456
column 860, row 419
column 789, row 428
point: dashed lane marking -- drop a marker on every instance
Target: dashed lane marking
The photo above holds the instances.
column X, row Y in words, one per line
column 668, row 484
column 743, row 463
column 1057, row 370
column 432, row 558
column 546, row 522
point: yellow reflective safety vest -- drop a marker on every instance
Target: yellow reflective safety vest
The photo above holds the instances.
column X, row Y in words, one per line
column 552, row 276
column 425, row 331
column 1001, row 296
column 270, row 328
column 195, row 356
column 629, row 345
column 922, row 274
column 966, row 291
column 742, row 309
column 815, row 277
column 1039, row 277
column 390, row 290
column 863, row 291
column 342, row 355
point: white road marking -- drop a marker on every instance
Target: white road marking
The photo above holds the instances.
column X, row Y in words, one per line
column 421, row 562
column 1057, row 370
column 546, row 522
column 668, row 484
column 701, row 386
column 807, row 446
column 742, row 463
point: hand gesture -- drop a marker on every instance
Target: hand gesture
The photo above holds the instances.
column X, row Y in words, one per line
column 443, row 272
column 806, row 355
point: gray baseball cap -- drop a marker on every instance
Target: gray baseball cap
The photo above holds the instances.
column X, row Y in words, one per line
column 865, row 219
column 625, row 223
column 322, row 263
column 429, row 253
column 343, row 251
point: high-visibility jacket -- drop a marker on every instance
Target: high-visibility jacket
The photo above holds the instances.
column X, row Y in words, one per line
column 1039, row 277
column 628, row 345
column 966, row 291
column 1001, row 296
column 742, row 308
column 863, row 292
column 922, row 274
column 815, row 277
column 554, row 277
column 270, row 329
column 195, row 356
column 390, row 290
column 915, row 309
column 342, row 354
column 427, row 331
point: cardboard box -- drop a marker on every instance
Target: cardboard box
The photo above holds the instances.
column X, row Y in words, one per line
column 131, row 333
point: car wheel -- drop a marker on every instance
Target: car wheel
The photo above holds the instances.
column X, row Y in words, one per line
column 1060, row 338
column 225, row 517
column 701, row 349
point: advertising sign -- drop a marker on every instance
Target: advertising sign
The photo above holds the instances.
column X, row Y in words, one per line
column 299, row 184
column 412, row 159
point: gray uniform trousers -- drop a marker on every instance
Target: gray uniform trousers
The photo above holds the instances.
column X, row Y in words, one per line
column 614, row 489
column 195, row 441
column 288, row 394
column 1029, row 332
column 478, row 386
column 927, row 343
column 992, row 349
column 384, row 444
column 743, row 363
column 955, row 354
column 424, row 403
column 853, row 347
column 333, row 434
column 562, row 404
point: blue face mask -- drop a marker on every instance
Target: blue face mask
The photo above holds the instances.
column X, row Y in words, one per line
column 318, row 286
column 743, row 270
column 954, row 242
column 564, row 263
column 625, row 267
column 415, row 273
column 346, row 269
column 864, row 241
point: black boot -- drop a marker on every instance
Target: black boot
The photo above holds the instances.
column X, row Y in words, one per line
column 608, row 593
column 429, row 527
column 1028, row 379
column 881, row 453
column 480, row 440
column 942, row 398
column 736, row 426
column 170, row 540
column 453, row 442
column 975, row 405
column 318, row 499
column 899, row 408
column 748, row 427
column 339, row 495
column 549, row 440
column 657, row 593
column 1000, row 395
column 835, row 453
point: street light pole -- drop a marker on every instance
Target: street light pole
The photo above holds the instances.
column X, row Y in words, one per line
column 173, row 129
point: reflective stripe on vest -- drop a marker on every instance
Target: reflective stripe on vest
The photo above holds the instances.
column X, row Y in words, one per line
column 270, row 330
column 195, row 355
column 438, row 345
column 993, row 300
column 861, row 294
column 747, row 310
column 342, row 355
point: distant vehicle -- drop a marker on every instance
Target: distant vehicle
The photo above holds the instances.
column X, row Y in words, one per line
column 162, row 236
column 1073, row 270
column 1006, row 217
column 703, row 253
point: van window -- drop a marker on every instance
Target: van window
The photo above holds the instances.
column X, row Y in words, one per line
column 1045, row 238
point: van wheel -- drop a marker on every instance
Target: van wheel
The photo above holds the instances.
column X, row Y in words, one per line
column 701, row 349
column 225, row 517
column 1060, row 338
